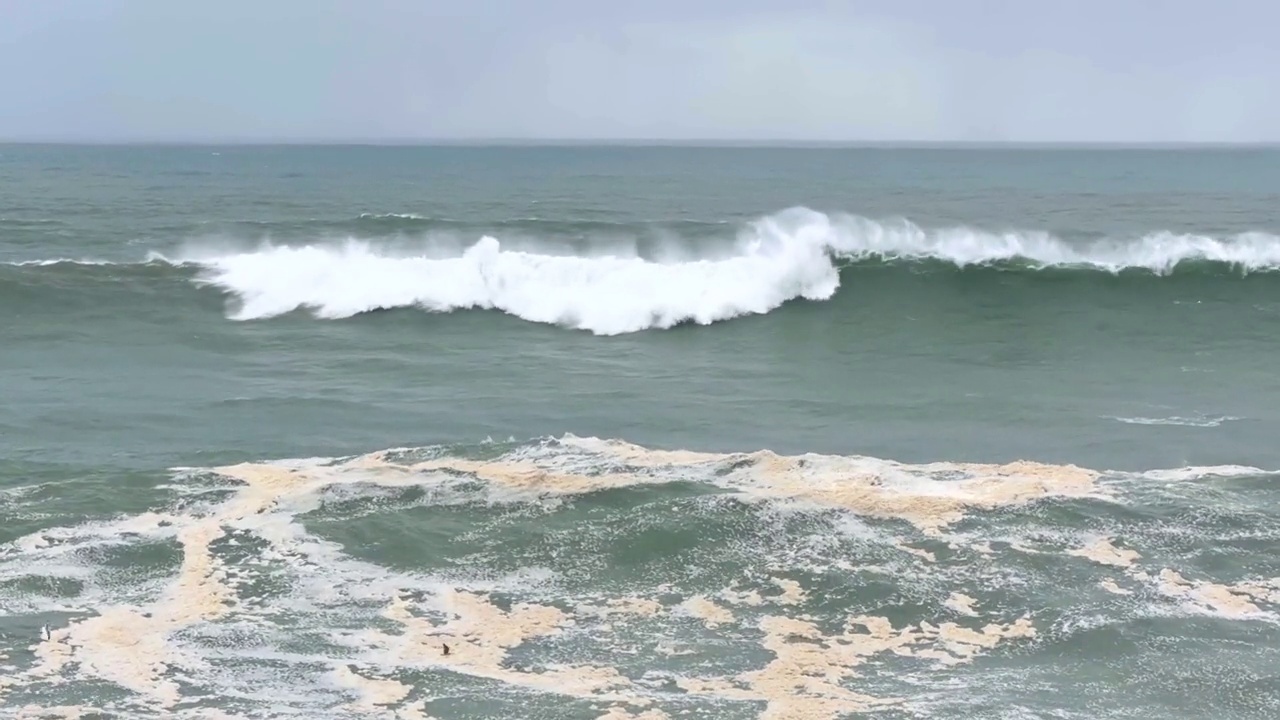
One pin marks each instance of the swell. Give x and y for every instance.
(580, 276)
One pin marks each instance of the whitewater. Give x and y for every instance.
(609, 287)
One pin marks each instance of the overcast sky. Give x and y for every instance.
(979, 70)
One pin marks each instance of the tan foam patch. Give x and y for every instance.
(865, 486)
(374, 694)
(1111, 587)
(480, 634)
(706, 610)
(1223, 599)
(918, 552)
(792, 593)
(961, 604)
(129, 646)
(1261, 591)
(894, 491)
(1102, 551)
(804, 678)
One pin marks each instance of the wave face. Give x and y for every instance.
(585, 282)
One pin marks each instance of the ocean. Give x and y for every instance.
(639, 432)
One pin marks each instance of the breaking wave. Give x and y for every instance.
(795, 254)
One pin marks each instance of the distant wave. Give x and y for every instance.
(392, 216)
(1201, 422)
(60, 261)
(794, 254)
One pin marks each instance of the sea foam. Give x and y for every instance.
(257, 610)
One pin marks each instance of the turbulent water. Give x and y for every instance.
(639, 432)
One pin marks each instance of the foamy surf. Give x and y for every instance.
(792, 255)
(607, 295)
(268, 616)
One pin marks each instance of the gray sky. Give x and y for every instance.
(978, 70)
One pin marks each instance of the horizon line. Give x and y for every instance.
(637, 142)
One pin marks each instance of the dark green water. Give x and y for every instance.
(194, 307)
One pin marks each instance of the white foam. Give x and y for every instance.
(1194, 473)
(1159, 252)
(392, 216)
(1201, 422)
(606, 295)
(786, 256)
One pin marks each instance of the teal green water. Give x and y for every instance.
(170, 310)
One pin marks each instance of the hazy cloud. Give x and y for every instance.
(1180, 70)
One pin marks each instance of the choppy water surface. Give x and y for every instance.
(638, 433)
